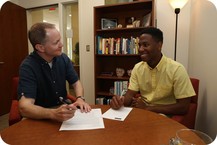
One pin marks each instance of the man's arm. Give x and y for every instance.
(78, 88)
(126, 100)
(180, 107)
(28, 109)
(79, 91)
(128, 97)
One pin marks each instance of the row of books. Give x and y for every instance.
(117, 45)
(120, 87)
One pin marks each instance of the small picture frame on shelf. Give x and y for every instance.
(108, 74)
(108, 23)
(146, 20)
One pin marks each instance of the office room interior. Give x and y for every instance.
(196, 47)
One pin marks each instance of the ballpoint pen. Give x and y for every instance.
(67, 102)
(123, 92)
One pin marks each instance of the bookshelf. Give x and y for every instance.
(116, 42)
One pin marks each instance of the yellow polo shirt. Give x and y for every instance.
(163, 84)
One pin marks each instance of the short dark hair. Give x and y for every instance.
(156, 33)
(37, 33)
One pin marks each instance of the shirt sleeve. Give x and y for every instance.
(27, 82)
(133, 85)
(182, 84)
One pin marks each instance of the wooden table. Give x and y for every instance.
(141, 127)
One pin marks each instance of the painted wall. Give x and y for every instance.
(202, 62)
(86, 39)
(196, 51)
(166, 22)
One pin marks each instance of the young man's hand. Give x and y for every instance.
(117, 102)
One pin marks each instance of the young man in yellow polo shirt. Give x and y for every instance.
(163, 83)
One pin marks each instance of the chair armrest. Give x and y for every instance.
(14, 115)
(72, 98)
(178, 118)
(189, 118)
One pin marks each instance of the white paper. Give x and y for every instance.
(84, 121)
(119, 114)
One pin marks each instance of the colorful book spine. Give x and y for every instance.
(117, 45)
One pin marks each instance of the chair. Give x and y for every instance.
(14, 114)
(189, 118)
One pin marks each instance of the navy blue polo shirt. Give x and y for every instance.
(45, 84)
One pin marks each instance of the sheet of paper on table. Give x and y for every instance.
(84, 121)
(119, 114)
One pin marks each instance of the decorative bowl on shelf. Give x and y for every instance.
(120, 72)
(129, 72)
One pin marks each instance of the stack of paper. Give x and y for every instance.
(94, 119)
(119, 114)
(84, 121)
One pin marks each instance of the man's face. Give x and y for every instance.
(53, 45)
(149, 48)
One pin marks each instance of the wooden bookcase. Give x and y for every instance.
(105, 62)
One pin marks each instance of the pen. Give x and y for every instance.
(118, 118)
(123, 92)
(64, 101)
(67, 102)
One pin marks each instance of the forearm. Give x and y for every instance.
(180, 107)
(78, 88)
(169, 109)
(28, 109)
(127, 100)
(35, 112)
(128, 97)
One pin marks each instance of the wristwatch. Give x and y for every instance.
(80, 97)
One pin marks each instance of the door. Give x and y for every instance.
(13, 49)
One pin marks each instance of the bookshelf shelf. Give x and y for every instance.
(122, 50)
(117, 55)
(120, 29)
(104, 94)
(113, 77)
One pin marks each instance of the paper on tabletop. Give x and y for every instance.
(119, 114)
(84, 121)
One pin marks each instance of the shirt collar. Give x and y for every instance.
(159, 65)
(35, 55)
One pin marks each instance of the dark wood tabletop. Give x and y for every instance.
(141, 127)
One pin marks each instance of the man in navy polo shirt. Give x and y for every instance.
(43, 75)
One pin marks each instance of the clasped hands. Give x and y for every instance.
(118, 101)
(138, 103)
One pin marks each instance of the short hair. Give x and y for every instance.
(156, 33)
(37, 33)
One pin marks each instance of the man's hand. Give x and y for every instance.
(63, 113)
(85, 107)
(117, 102)
(138, 103)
